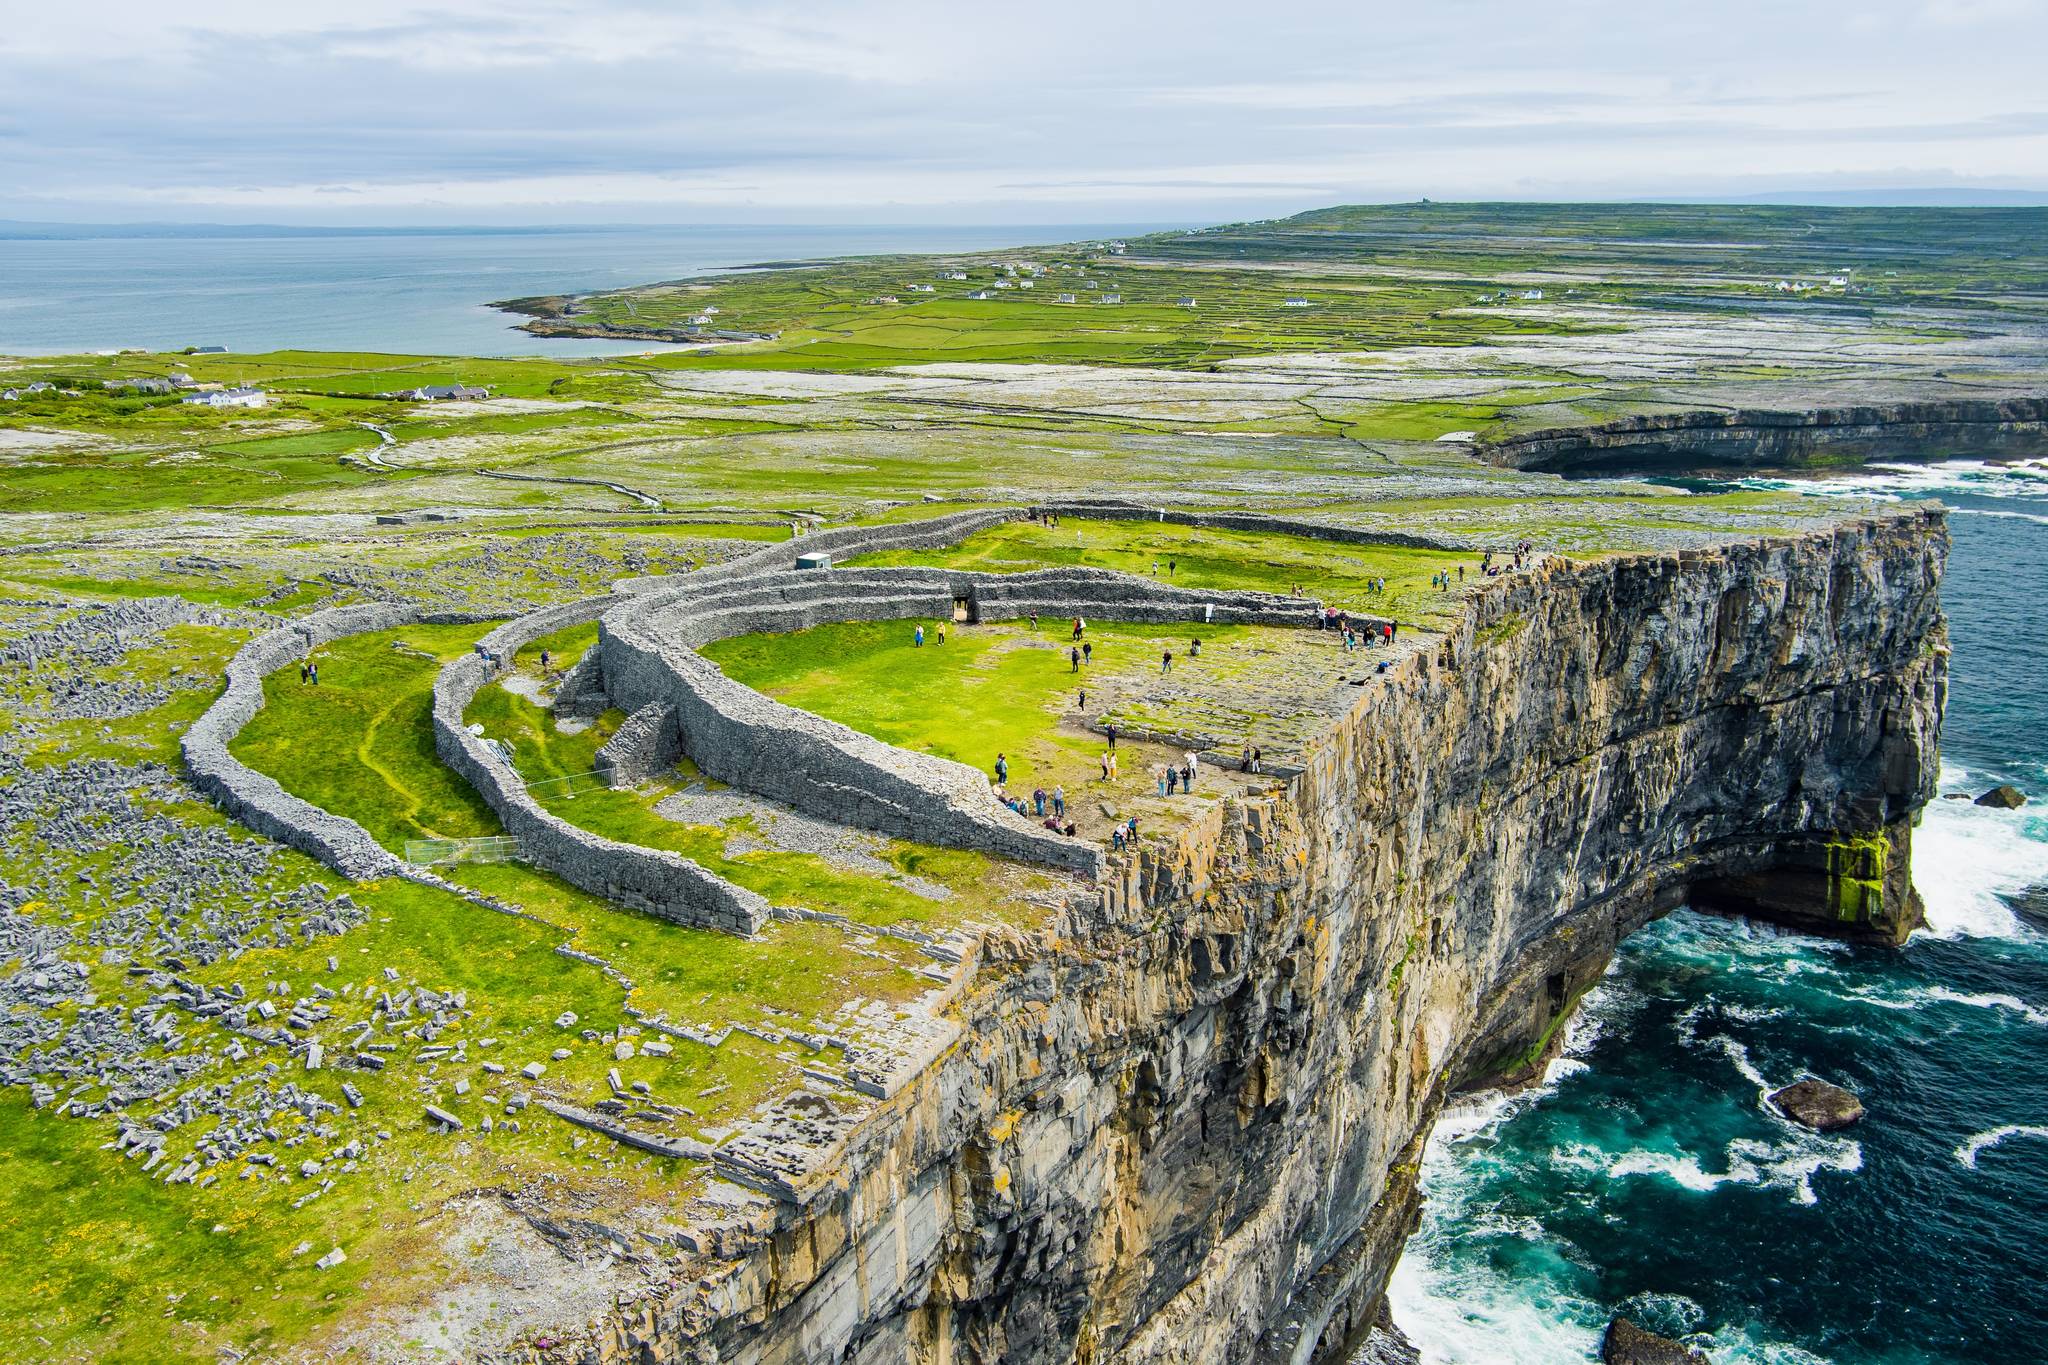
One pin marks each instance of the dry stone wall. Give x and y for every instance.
(658, 882)
(256, 799)
(648, 656)
(1248, 521)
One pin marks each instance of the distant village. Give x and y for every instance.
(205, 393)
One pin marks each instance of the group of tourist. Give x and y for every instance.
(917, 636)
(1516, 558)
(309, 670)
(1441, 579)
(1180, 778)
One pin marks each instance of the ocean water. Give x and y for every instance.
(413, 292)
(1647, 1176)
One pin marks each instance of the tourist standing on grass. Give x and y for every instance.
(942, 634)
(1002, 770)
(1105, 765)
(305, 670)
(1038, 801)
(1195, 648)
(1166, 661)
(1087, 651)
(546, 661)
(1194, 761)
(1082, 704)
(1075, 656)
(1034, 620)
(917, 637)
(1059, 801)
(1257, 759)
(1164, 773)
(1110, 730)
(1077, 627)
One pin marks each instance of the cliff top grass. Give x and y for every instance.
(1011, 689)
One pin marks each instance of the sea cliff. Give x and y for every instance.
(1184, 1126)
(2012, 426)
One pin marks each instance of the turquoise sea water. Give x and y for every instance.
(414, 292)
(1647, 1176)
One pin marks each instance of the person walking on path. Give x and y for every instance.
(1034, 620)
(1077, 627)
(1082, 704)
(546, 661)
(1074, 656)
(1087, 651)
(1002, 770)
(1166, 661)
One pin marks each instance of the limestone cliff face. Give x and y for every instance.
(1185, 1128)
(1745, 438)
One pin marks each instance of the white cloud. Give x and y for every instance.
(561, 108)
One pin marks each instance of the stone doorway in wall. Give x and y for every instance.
(963, 609)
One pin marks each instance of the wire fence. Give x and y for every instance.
(488, 848)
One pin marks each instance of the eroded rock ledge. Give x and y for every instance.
(1183, 1125)
(2009, 427)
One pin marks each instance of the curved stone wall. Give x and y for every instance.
(256, 799)
(648, 656)
(661, 883)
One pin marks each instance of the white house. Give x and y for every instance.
(924, 289)
(1066, 298)
(435, 393)
(229, 398)
(1533, 295)
(1112, 298)
(1295, 303)
(1187, 301)
(1116, 248)
(981, 294)
(956, 274)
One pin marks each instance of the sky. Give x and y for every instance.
(614, 111)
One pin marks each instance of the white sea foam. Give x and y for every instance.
(1479, 1317)
(1986, 1000)
(1967, 858)
(1979, 1143)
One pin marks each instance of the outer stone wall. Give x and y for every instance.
(256, 799)
(1250, 521)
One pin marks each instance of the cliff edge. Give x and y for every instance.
(1184, 1126)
